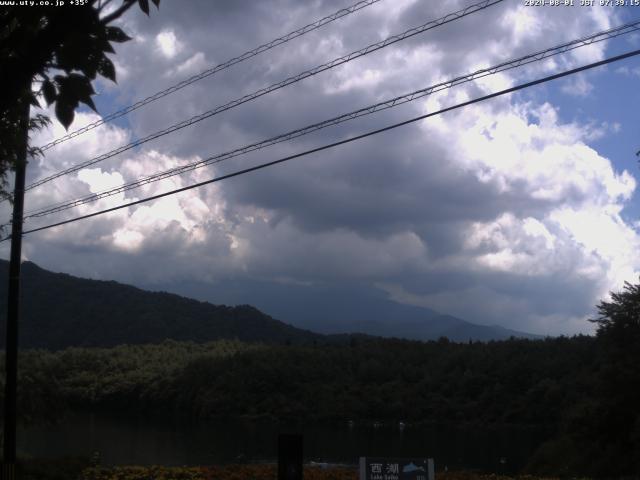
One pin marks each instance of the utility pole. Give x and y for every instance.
(13, 301)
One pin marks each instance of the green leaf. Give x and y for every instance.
(106, 69)
(73, 88)
(49, 92)
(73, 53)
(34, 101)
(64, 112)
(90, 69)
(39, 122)
(89, 102)
(144, 6)
(106, 46)
(115, 34)
(77, 85)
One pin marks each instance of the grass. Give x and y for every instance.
(81, 469)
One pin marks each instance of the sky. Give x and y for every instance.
(521, 211)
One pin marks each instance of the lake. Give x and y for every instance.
(127, 441)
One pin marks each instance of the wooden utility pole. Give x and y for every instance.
(13, 302)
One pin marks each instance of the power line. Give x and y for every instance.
(211, 71)
(504, 66)
(276, 86)
(342, 142)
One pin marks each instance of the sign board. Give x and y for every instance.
(381, 468)
(289, 456)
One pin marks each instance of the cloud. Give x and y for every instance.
(626, 71)
(578, 86)
(194, 64)
(168, 44)
(501, 213)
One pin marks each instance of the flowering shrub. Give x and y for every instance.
(255, 472)
(226, 472)
(143, 473)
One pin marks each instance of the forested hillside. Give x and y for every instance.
(515, 382)
(60, 310)
(569, 386)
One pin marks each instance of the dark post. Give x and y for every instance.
(289, 456)
(13, 304)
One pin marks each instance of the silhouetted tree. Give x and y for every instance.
(619, 319)
(615, 423)
(71, 41)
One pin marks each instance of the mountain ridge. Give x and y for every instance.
(60, 310)
(341, 309)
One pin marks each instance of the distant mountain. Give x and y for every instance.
(427, 328)
(340, 309)
(59, 310)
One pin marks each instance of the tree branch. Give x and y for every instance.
(104, 4)
(126, 5)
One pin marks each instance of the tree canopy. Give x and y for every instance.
(602, 433)
(53, 53)
(620, 318)
(615, 427)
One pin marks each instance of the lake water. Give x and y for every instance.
(123, 441)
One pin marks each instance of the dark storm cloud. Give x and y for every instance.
(396, 210)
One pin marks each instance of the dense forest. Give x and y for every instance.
(584, 389)
(550, 383)
(520, 382)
